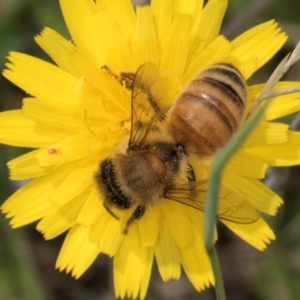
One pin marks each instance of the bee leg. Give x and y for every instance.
(126, 78)
(137, 214)
(110, 72)
(191, 177)
(110, 212)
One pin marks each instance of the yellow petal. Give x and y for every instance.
(176, 49)
(259, 43)
(151, 219)
(79, 18)
(191, 7)
(17, 130)
(40, 78)
(123, 13)
(197, 219)
(181, 234)
(39, 191)
(257, 234)
(91, 210)
(106, 233)
(77, 252)
(61, 219)
(26, 166)
(62, 117)
(115, 50)
(59, 49)
(23, 211)
(266, 133)
(167, 255)
(90, 99)
(31, 213)
(131, 256)
(207, 27)
(247, 165)
(217, 51)
(162, 18)
(282, 106)
(254, 90)
(258, 30)
(258, 194)
(83, 174)
(144, 40)
(285, 154)
(196, 264)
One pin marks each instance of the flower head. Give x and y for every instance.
(78, 114)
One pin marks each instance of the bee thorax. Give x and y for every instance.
(157, 165)
(140, 177)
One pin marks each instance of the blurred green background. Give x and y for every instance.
(27, 261)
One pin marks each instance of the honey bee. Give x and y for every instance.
(154, 167)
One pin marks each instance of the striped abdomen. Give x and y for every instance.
(210, 110)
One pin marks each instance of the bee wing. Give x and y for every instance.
(193, 195)
(237, 212)
(188, 194)
(149, 96)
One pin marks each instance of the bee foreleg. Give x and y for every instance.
(137, 214)
(110, 212)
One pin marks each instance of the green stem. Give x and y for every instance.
(220, 291)
(211, 202)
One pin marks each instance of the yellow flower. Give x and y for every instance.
(78, 113)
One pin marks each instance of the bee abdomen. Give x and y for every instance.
(107, 183)
(210, 110)
(227, 79)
